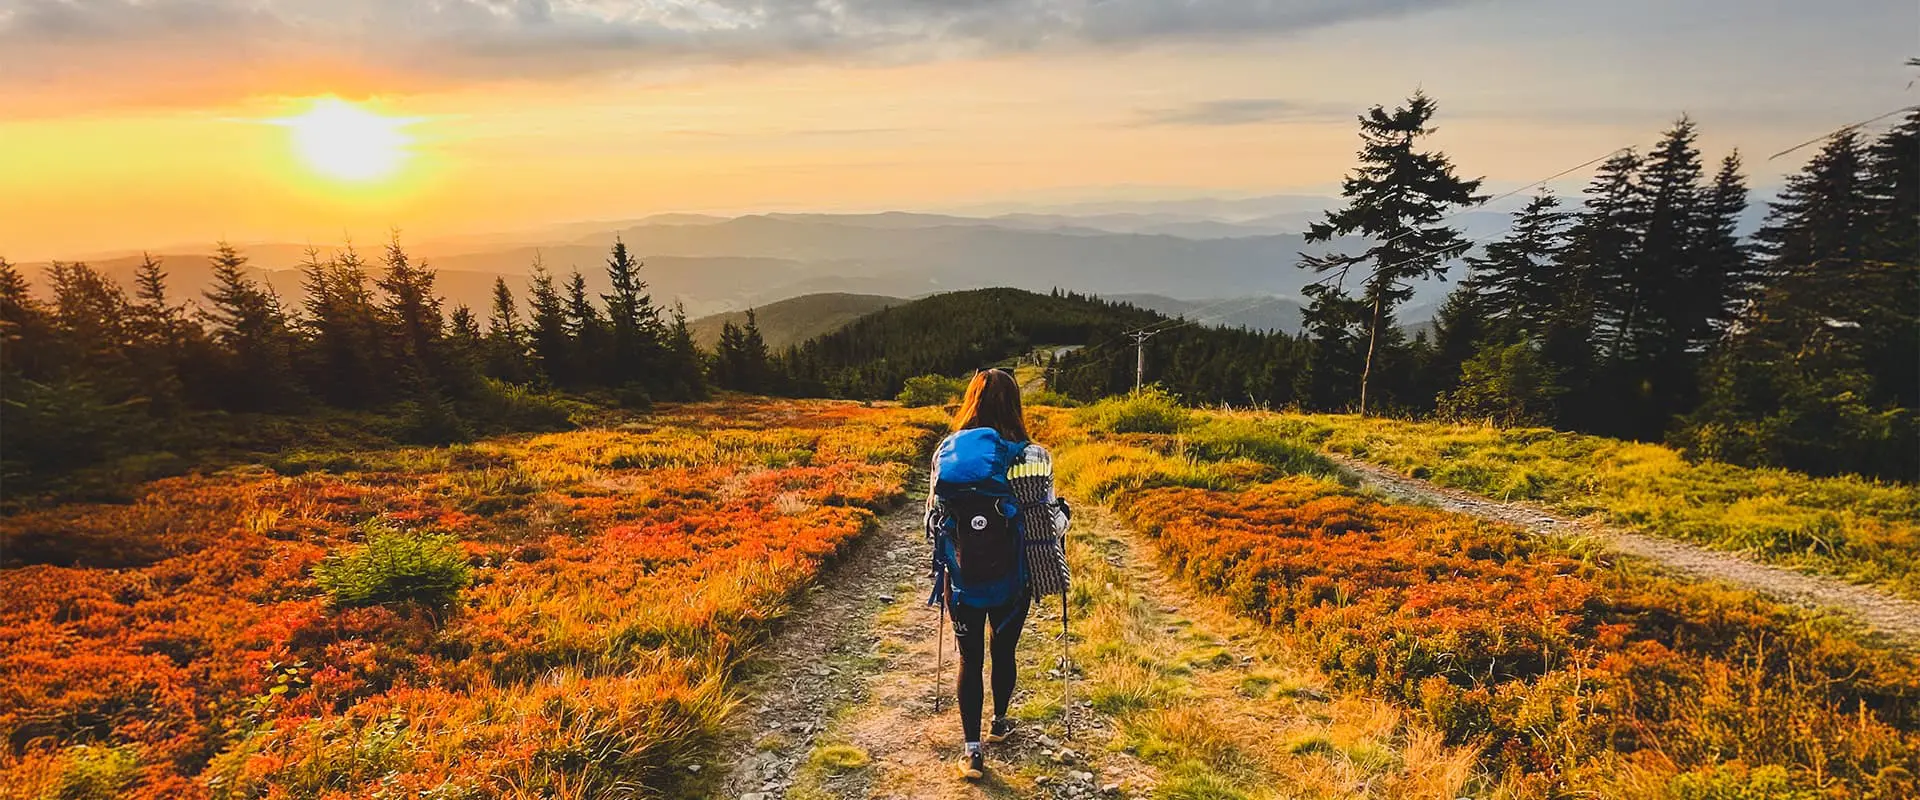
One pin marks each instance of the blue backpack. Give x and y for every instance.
(978, 550)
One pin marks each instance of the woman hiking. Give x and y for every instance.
(997, 531)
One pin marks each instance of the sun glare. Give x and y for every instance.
(345, 142)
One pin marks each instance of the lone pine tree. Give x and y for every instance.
(1397, 197)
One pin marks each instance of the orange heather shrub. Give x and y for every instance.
(1576, 676)
(178, 647)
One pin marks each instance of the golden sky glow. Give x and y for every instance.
(312, 147)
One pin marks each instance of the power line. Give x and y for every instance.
(1497, 198)
(1842, 129)
(1198, 313)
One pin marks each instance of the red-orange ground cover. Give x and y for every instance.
(178, 646)
(1576, 675)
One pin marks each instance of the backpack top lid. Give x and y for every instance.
(975, 460)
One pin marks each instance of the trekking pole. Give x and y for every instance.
(1066, 672)
(940, 651)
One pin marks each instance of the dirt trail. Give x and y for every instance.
(847, 711)
(1892, 616)
(822, 658)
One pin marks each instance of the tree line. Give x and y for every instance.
(93, 372)
(1638, 312)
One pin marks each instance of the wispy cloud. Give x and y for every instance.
(156, 47)
(1246, 111)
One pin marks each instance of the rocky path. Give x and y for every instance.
(823, 658)
(1172, 696)
(1893, 617)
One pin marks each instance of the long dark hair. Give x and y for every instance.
(992, 401)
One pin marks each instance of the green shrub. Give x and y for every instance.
(394, 567)
(97, 773)
(1150, 410)
(1225, 439)
(63, 424)
(633, 397)
(930, 390)
(511, 406)
(431, 420)
(1049, 397)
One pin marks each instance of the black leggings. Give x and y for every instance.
(969, 628)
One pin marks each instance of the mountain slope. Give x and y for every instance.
(953, 334)
(796, 319)
(1255, 313)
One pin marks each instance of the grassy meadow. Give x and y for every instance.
(552, 616)
(1863, 530)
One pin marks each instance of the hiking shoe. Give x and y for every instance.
(973, 766)
(1002, 728)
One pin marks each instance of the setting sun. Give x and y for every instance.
(346, 142)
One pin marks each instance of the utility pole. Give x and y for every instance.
(1140, 357)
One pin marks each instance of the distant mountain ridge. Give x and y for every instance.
(1263, 313)
(714, 264)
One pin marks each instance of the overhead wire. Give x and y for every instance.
(1195, 315)
(1842, 129)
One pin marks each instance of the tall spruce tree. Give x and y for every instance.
(688, 380)
(1659, 318)
(1726, 276)
(1517, 281)
(249, 324)
(506, 340)
(547, 328)
(1893, 193)
(465, 345)
(1602, 247)
(413, 317)
(161, 339)
(633, 323)
(95, 319)
(26, 330)
(588, 333)
(344, 330)
(1396, 197)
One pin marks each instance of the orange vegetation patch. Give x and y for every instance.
(1577, 675)
(178, 646)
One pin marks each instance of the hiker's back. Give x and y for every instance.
(976, 520)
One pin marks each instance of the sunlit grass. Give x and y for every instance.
(1861, 529)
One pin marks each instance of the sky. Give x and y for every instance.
(153, 123)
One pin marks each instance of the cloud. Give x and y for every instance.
(155, 48)
(1246, 111)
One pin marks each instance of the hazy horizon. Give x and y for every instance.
(154, 124)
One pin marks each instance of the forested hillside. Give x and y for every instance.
(794, 320)
(950, 334)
